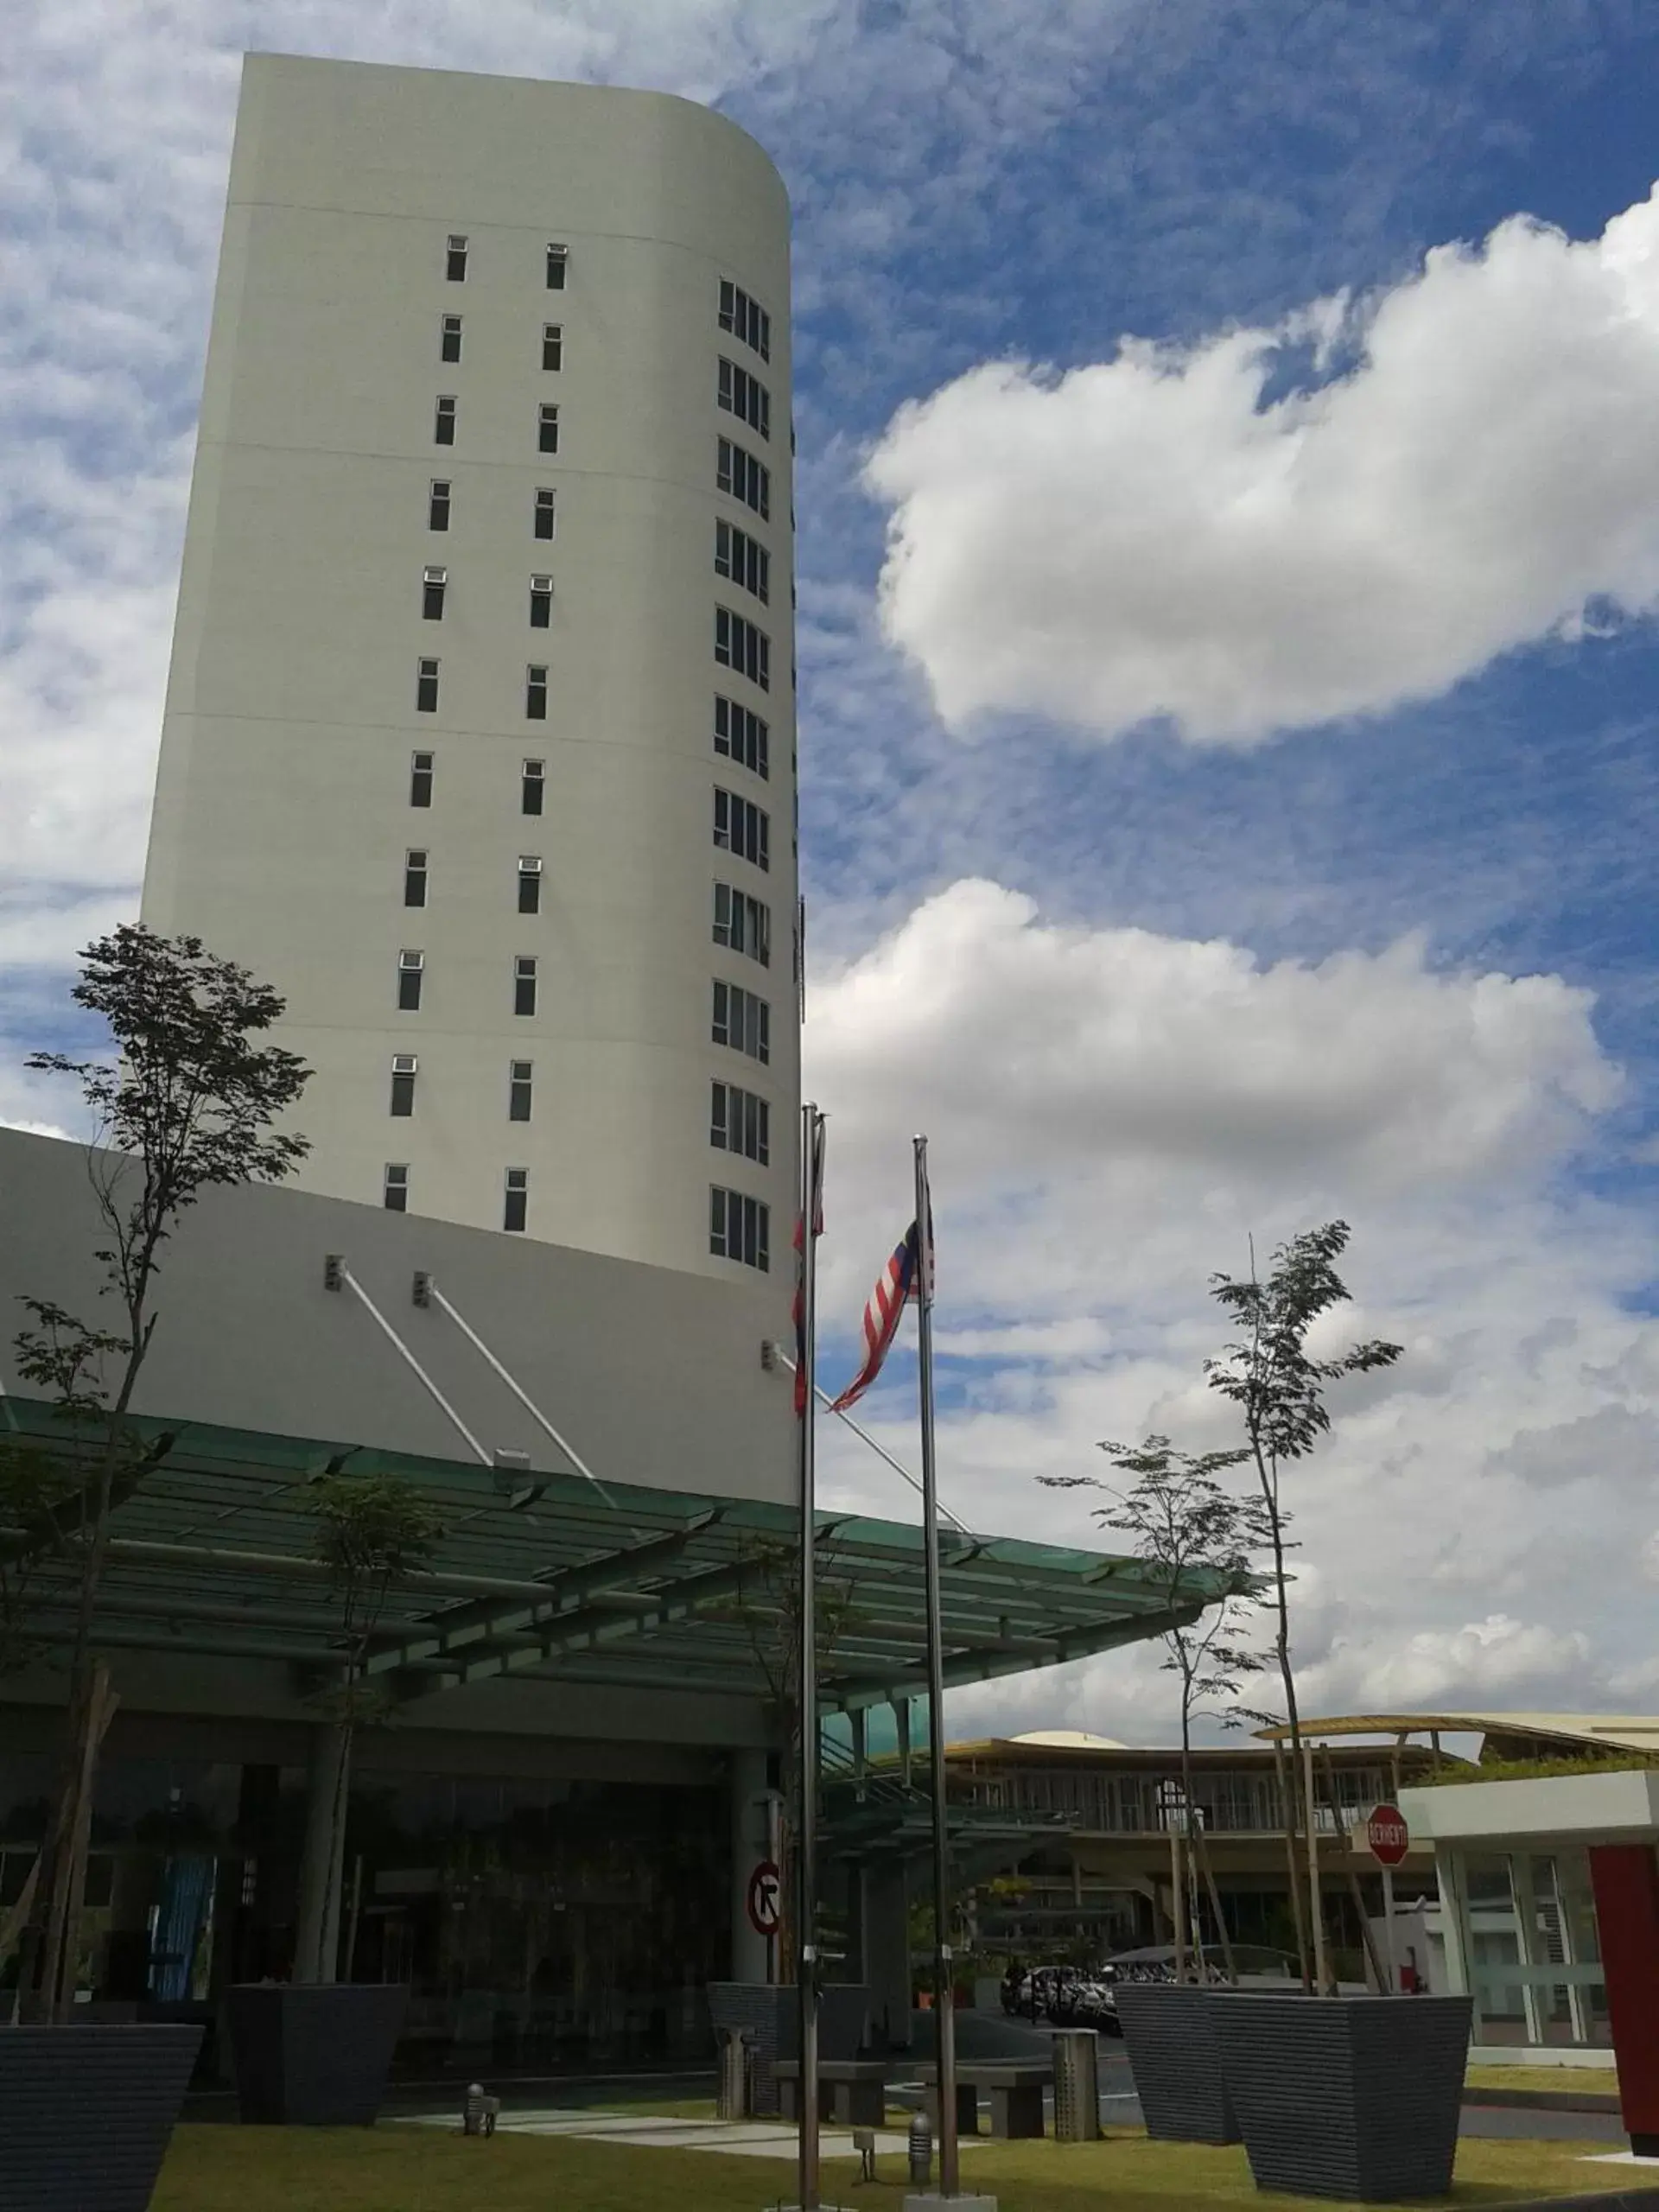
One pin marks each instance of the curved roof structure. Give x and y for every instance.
(1514, 1735)
(1069, 1739)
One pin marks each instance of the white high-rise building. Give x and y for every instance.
(480, 734)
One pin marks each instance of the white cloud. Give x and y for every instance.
(1153, 537)
(1467, 1665)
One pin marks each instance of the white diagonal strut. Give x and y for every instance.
(409, 1360)
(523, 1395)
(880, 1450)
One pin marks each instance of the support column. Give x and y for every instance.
(750, 1837)
(316, 1948)
(884, 1947)
(1625, 1880)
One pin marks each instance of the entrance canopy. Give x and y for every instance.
(547, 1577)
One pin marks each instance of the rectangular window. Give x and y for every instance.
(454, 266)
(547, 430)
(449, 339)
(744, 396)
(523, 986)
(742, 736)
(443, 421)
(747, 479)
(535, 693)
(411, 970)
(404, 1065)
(558, 257)
(552, 344)
(437, 505)
(420, 779)
(742, 1021)
(530, 884)
(518, 1089)
(415, 878)
(743, 827)
(541, 602)
(516, 1207)
(743, 558)
(433, 584)
(745, 318)
(532, 782)
(426, 687)
(743, 923)
(739, 645)
(394, 1190)
(544, 511)
(740, 1228)
(739, 1121)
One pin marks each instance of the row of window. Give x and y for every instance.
(426, 688)
(740, 735)
(740, 645)
(533, 785)
(450, 334)
(515, 1208)
(743, 558)
(739, 474)
(417, 877)
(741, 1020)
(745, 318)
(459, 252)
(434, 594)
(447, 413)
(440, 500)
(744, 396)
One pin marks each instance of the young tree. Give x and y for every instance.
(373, 1532)
(1279, 1387)
(188, 1101)
(1184, 1521)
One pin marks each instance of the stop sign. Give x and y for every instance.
(1388, 1835)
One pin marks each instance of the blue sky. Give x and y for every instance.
(1162, 946)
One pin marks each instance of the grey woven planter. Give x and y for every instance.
(85, 2114)
(1170, 2038)
(313, 2055)
(1354, 2097)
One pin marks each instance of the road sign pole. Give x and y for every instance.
(806, 1845)
(1387, 1930)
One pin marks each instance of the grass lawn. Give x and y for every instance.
(1599, 2080)
(391, 2169)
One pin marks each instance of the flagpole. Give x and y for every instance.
(806, 1849)
(945, 2013)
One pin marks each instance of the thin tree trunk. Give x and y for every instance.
(1208, 1871)
(1287, 1814)
(100, 1712)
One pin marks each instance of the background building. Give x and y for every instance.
(480, 735)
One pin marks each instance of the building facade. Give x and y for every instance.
(479, 734)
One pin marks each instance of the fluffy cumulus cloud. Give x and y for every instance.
(1470, 464)
(1112, 1114)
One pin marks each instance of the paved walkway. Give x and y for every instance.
(749, 2138)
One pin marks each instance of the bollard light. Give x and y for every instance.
(478, 2115)
(864, 2144)
(921, 2150)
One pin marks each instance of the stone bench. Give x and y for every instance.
(852, 2092)
(1016, 2088)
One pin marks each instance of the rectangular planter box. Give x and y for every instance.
(1353, 2097)
(1169, 2034)
(86, 2112)
(313, 2057)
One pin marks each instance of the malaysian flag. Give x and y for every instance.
(895, 1287)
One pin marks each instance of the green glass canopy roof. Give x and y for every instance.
(549, 1577)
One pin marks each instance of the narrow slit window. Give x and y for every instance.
(449, 339)
(547, 433)
(519, 1088)
(394, 1188)
(426, 687)
(411, 973)
(530, 884)
(541, 602)
(544, 511)
(552, 344)
(536, 693)
(433, 583)
(420, 779)
(515, 1210)
(531, 784)
(404, 1066)
(415, 878)
(438, 504)
(523, 986)
(443, 421)
(558, 260)
(455, 267)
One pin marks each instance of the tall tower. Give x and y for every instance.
(480, 733)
